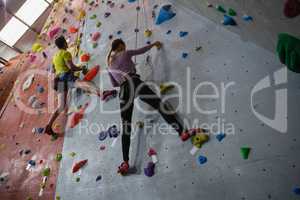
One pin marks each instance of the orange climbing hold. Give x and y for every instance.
(92, 73)
(79, 165)
(85, 57)
(73, 29)
(76, 117)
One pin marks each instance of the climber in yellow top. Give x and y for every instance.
(64, 70)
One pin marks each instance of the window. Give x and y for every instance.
(31, 10)
(12, 31)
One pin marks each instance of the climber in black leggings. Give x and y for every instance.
(122, 73)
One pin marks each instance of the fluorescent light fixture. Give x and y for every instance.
(31, 10)
(12, 31)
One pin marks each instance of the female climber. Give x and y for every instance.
(122, 72)
(64, 70)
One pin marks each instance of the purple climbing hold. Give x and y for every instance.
(113, 131)
(107, 14)
(183, 33)
(168, 32)
(202, 160)
(148, 42)
(102, 135)
(229, 21)
(185, 55)
(149, 170)
(165, 14)
(220, 136)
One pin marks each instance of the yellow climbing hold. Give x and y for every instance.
(81, 14)
(37, 47)
(147, 33)
(199, 139)
(164, 88)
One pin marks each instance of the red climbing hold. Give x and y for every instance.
(53, 32)
(96, 36)
(85, 57)
(73, 29)
(92, 73)
(151, 152)
(291, 8)
(79, 165)
(76, 117)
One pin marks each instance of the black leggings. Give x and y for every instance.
(128, 91)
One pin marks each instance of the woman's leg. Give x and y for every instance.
(156, 103)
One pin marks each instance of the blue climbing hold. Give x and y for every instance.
(165, 14)
(185, 55)
(220, 136)
(102, 135)
(202, 160)
(98, 178)
(131, 1)
(31, 162)
(39, 130)
(113, 131)
(119, 32)
(296, 190)
(168, 32)
(247, 18)
(40, 89)
(228, 21)
(183, 33)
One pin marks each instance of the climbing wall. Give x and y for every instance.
(208, 53)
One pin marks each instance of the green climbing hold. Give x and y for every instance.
(46, 171)
(29, 198)
(95, 45)
(57, 198)
(72, 154)
(288, 51)
(231, 12)
(221, 9)
(54, 137)
(94, 16)
(77, 179)
(98, 24)
(58, 157)
(245, 152)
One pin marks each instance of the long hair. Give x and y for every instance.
(114, 46)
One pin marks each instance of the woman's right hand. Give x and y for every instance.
(157, 44)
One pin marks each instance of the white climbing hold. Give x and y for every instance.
(28, 82)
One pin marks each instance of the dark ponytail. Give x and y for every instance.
(114, 46)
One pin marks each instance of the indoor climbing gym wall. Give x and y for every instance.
(244, 94)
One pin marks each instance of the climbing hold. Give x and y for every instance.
(245, 152)
(155, 6)
(138, 8)
(147, 33)
(53, 32)
(122, 6)
(119, 32)
(198, 48)
(149, 170)
(37, 47)
(96, 36)
(291, 8)
(102, 135)
(288, 51)
(168, 32)
(72, 154)
(221, 8)
(231, 12)
(108, 95)
(152, 153)
(28, 151)
(183, 33)
(184, 55)
(98, 178)
(95, 45)
(131, 1)
(77, 166)
(220, 136)
(199, 139)
(38, 130)
(81, 14)
(296, 190)
(32, 163)
(58, 157)
(202, 160)
(209, 5)
(32, 58)
(140, 124)
(113, 131)
(73, 29)
(76, 117)
(247, 18)
(136, 30)
(44, 55)
(110, 37)
(77, 179)
(31, 99)
(40, 89)
(94, 16)
(164, 88)
(165, 14)
(102, 147)
(229, 21)
(85, 57)
(46, 172)
(28, 82)
(107, 14)
(98, 24)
